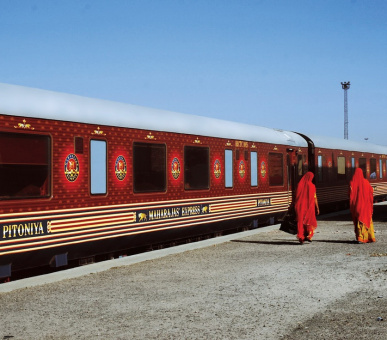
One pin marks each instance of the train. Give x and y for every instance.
(85, 178)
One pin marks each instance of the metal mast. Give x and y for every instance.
(345, 87)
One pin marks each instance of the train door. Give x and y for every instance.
(291, 174)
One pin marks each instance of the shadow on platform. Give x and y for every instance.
(295, 242)
(278, 243)
(335, 241)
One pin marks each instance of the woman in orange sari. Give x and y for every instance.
(361, 200)
(305, 205)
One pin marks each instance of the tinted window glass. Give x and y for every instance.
(24, 166)
(372, 168)
(299, 165)
(276, 172)
(363, 166)
(149, 167)
(196, 168)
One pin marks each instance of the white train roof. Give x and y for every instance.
(36, 103)
(348, 145)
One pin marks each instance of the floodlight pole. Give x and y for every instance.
(345, 86)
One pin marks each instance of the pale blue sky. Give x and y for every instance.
(272, 63)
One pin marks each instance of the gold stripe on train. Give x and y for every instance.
(97, 237)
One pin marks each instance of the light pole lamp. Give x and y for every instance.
(345, 86)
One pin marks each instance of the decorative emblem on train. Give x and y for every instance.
(150, 136)
(217, 169)
(24, 125)
(98, 132)
(263, 169)
(242, 169)
(71, 167)
(120, 168)
(175, 168)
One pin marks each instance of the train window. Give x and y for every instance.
(302, 167)
(149, 167)
(341, 168)
(196, 168)
(228, 168)
(24, 165)
(319, 168)
(363, 166)
(98, 173)
(276, 169)
(254, 168)
(341, 165)
(380, 168)
(353, 166)
(372, 168)
(299, 165)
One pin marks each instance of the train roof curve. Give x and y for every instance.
(36, 103)
(348, 145)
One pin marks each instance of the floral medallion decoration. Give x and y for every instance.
(242, 169)
(217, 169)
(263, 169)
(175, 168)
(71, 167)
(120, 168)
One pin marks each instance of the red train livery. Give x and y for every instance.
(83, 177)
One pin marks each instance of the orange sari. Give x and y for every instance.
(361, 200)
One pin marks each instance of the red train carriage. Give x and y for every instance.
(334, 162)
(82, 177)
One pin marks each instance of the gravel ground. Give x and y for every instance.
(264, 286)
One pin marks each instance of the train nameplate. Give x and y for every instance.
(24, 229)
(171, 212)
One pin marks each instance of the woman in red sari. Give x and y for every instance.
(305, 204)
(361, 200)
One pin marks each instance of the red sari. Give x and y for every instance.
(305, 207)
(361, 200)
